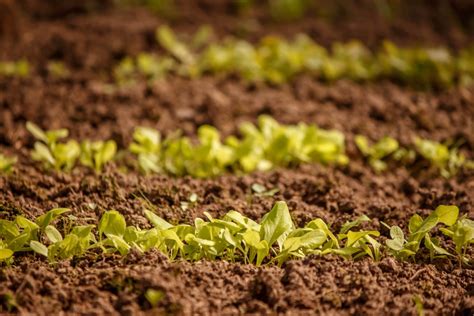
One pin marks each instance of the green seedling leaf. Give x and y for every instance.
(119, 243)
(112, 223)
(353, 237)
(447, 214)
(7, 163)
(414, 223)
(37, 132)
(45, 219)
(53, 234)
(39, 248)
(157, 221)
(277, 224)
(349, 225)
(97, 154)
(5, 254)
(8, 230)
(398, 239)
(154, 296)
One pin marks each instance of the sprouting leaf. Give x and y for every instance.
(39, 248)
(37, 132)
(97, 154)
(276, 224)
(154, 296)
(5, 254)
(45, 219)
(119, 243)
(398, 239)
(353, 237)
(53, 234)
(447, 214)
(157, 221)
(113, 223)
(414, 223)
(349, 225)
(6, 163)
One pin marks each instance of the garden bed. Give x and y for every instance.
(90, 42)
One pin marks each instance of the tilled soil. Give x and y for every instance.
(112, 285)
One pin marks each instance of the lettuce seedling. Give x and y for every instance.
(419, 230)
(112, 225)
(58, 69)
(147, 146)
(276, 225)
(154, 296)
(358, 243)
(19, 68)
(168, 40)
(60, 156)
(377, 152)
(462, 234)
(448, 161)
(97, 154)
(6, 163)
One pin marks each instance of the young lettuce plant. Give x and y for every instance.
(96, 154)
(19, 68)
(448, 161)
(462, 234)
(233, 238)
(47, 149)
(147, 146)
(6, 163)
(419, 231)
(377, 152)
(358, 243)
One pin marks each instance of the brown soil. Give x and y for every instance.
(82, 103)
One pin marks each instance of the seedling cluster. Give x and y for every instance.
(448, 161)
(63, 155)
(234, 237)
(276, 60)
(19, 68)
(261, 147)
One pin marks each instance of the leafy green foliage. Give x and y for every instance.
(147, 66)
(19, 68)
(262, 147)
(448, 161)
(419, 231)
(97, 154)
(462, 233)
(154, 296)
(52, 153)
(57, 69)
(6, 163)
(377, 152)
(234, 237)
(276, 60)
(64, 155)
